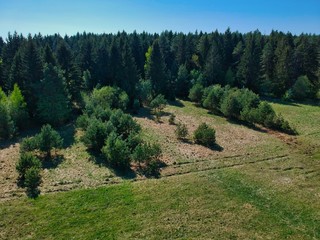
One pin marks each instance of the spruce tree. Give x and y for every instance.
(53, 105)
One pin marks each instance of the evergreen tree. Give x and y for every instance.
(213, 66)
(53, 105)
(182, 82)
(16, 72)
(156, 70)
(32, 74)
(48, 56)
(18, 108)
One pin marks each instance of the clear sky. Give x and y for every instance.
(98, 16)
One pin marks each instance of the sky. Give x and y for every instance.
(110, 16)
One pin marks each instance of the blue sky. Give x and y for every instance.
(98, 16)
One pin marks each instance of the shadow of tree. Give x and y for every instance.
(98, 159)
(52, 162)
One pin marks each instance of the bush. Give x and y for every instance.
(48, 139)
(196, 93)
(181, 131)
(116, 152)
(205, 135)
(96, 134)
(28, 145)
(302, 89)
(231, 106)
(148, 155)
(265, 114)
(32, 181)
(172, 119)
(109, 97)
(26, 161)
(124, 124)
(158, 104)
(213, 98)
(83, 121)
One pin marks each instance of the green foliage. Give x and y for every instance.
(230, 105)
(196, 92)
(302, 89)
(144, 91)
(13, 113)
(181, 131)
(109, 97)
(48, 139)
(158, 104)
(205, 135)
(96, 133)
(18, 108)
(213, 98)
(53, 106)
(32, 181)
(124, 124)
(147, 156)
(116, 152)
(182, 82)
(83, 121)
(26, 161)
(28, 144)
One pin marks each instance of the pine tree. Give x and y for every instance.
(48, 56)
(18, 108)
(53, 106)
(182, 82)
(213, 66)
(32, 74)
(16, 72)
(156, 70)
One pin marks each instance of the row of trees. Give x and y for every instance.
(172, 62)
(239, 104)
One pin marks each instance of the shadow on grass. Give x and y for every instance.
(98, 159)
(246, 124)
(309, 102)
(52, 162)
(176, 103)
(152, 170)
(67, 132)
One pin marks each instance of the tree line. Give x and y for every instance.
(51, 72)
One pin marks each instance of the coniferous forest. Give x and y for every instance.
(278, 65)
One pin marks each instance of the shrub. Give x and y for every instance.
(148, 155)
(109, 97)
(83, 121)
(265, 114)
(26, 161)
(231, 106)
(172, 119)
(48, 139)
(116, 152)
(181, 131)
(196, 93)
(32, 181)
(96, 134)
(28, 144)
(302, 89)
(124, 124)
(213, 98)
(205, 135)
(158, 104)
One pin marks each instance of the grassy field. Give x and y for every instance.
(257, 185)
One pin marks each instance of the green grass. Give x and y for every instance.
(219, 204)
(241, 197)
